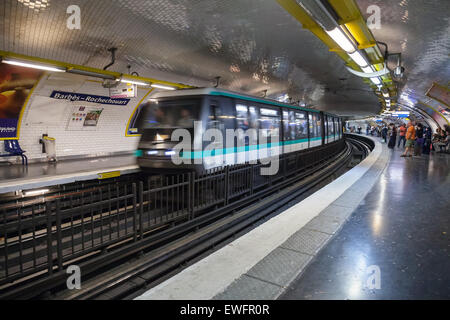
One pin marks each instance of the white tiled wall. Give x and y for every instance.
(107, 137)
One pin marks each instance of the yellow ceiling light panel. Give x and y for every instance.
(350, 16)
(69, 67)
(292, 7)
(374, 54)
(346, 9)
(298, 13)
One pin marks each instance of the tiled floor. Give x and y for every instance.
(401, 229)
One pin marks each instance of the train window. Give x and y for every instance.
(242, 117)
(286, 127)
(330, 126)
(269, 122)
(214, 117)
(311, 125)
(315, 125)
(301, 124)
(253, 119)
(170, 114)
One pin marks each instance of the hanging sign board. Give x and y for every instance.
(123, 90)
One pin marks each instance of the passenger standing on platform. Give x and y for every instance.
(427, 141)
(367, 130)
(392, 136)
(402, 133)
(384, 132)
(419, 140)
(410, 137)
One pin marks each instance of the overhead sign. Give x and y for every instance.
(123, 90)
(439, 93)
(88, 98)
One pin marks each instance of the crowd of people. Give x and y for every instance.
(416, 139)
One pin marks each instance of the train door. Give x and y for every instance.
(310, 129)
(270, 131)
(213, 146)
(317, 130)
(225, 114)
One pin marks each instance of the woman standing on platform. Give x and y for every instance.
(419, 140)
(427, 141)
(392, 136)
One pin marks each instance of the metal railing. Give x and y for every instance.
(41, 238)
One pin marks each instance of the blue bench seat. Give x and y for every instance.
(13, 148)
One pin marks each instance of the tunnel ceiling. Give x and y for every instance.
(254, 45)
(420, 30)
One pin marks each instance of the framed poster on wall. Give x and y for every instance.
(84, 118)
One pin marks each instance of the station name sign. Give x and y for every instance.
(88, 98)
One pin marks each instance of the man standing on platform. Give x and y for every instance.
(410, 139)
(401, 133)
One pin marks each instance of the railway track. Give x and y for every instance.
(121, 270)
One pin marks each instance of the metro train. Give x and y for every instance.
(292, 128)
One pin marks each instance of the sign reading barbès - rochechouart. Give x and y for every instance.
(88, 98)
(16, 84)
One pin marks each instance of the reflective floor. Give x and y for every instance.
(396, 245)
(35, 170)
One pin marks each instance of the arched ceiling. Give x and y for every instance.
(254, 45)
(420, 30)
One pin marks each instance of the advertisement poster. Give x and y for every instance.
(92, 118)
(439, 93)
(84, 118)
(16, 84)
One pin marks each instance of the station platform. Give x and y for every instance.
(15, 177)
(388, 212)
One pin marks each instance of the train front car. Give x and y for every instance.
(277, 128)
(159, 119)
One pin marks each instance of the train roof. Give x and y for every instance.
(225, 93)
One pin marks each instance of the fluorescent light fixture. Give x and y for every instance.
(170, 153)
(33, 65)
(367, 69)
(134, 82)
(358, 58)
(152, 152)
(341, 39)
(160, 86)
(35, 192)
(376, 81)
